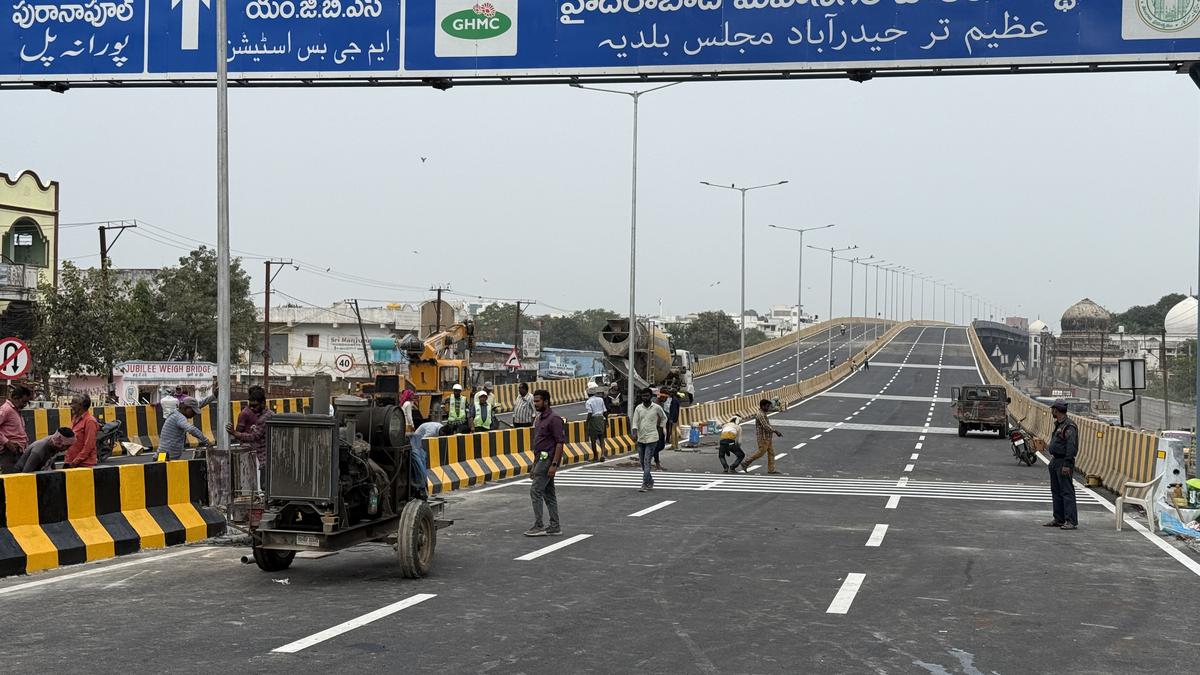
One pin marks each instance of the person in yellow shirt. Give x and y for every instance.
(731, 444)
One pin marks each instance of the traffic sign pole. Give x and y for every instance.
(218, 467)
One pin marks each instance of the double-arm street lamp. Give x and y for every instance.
(800, 283)
(742, 318)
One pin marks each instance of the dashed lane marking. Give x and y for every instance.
(328, 633)
(877, 535)
(926, 429)
(892, 502)
(553, 547)
(652, 509)
(845, 595)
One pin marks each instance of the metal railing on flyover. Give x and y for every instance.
(717, 362)
(1116, 455)
(744, 406)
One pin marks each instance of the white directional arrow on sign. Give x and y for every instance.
(189, 28)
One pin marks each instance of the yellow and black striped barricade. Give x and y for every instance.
(54, 518)
(465, 460)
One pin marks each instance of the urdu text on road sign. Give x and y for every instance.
(174, 40)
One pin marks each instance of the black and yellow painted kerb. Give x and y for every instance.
(56, 518)
(140, 423)
(457, 462)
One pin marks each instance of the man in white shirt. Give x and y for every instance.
(648, 418)
(597, 423)
(731, 444)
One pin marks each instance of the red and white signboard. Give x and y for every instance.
(514, 360)
(344, 363)
(14, 358)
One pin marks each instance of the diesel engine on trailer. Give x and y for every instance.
(338, 480)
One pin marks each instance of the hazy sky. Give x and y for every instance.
(1034, 191)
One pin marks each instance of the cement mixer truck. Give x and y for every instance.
(655, 363)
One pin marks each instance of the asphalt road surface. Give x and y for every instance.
(887, 545)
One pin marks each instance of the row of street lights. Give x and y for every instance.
(896, 273)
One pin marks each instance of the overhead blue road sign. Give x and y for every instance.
(161, 40)
(701, 36)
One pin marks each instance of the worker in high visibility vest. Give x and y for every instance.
(484, 418)
(456, 410)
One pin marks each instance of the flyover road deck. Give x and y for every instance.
(885, 545)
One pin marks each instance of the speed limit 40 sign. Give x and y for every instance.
(344, 363)
(14, 358)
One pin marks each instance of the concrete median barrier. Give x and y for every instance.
(745, 406)
(56, 518)
(571, 390)
(1116, 455)
(457, 462)
(712, 364)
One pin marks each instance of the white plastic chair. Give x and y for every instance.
(1146, 502)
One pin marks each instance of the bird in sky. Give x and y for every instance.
(423, 159)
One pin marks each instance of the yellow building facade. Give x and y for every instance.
(29, 224)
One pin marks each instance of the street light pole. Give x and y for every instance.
(829, 333)
(742, 321)
(631, 401)
(800, 284)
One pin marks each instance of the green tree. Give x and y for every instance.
(496, 323)
(579, 330)
(187, 308)
(1181, 376)
(1147, 319)
(78, 325)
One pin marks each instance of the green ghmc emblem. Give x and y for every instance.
(1169, 15)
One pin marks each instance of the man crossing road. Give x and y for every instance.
(766, 440)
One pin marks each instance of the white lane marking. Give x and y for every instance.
(828, 430)
(797, 447)
(921, 438)
(915, 456)
(877, 535)
(756, 467)
(553, 547)
(101, 570)
(317, 638)
(1170, 550)
(848, 419)
(893, 502)
(841, 423)
(909, 467)
(902, 482)
(815, 437)
(781, 455)
(918, 446)
(845, 595)
(652, 509)
(709, 486)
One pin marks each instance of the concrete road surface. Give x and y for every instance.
(888, 545)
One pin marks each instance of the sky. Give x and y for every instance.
(1033, 191)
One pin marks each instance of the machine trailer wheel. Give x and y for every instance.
(962, 430)
(416, 539)
(273, 561)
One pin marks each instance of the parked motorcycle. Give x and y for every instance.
(1022, 448)
(106, 440)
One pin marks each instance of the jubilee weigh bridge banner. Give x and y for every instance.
(173, 40)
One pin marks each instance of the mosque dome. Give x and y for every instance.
(1086, 316)
(1181, 320)
(1037, 327)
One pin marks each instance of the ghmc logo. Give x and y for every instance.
(475, 30)
(1169, 15)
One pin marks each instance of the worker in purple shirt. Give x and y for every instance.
(549, 435)
(251, 430)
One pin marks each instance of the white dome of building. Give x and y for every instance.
(1037, 327)
(1181, 320)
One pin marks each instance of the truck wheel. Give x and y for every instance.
(1003, 430)
(962, 430)
(416, 539)
(273, 561)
